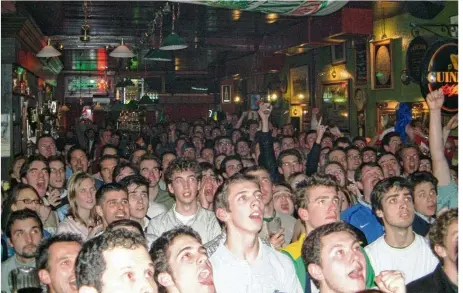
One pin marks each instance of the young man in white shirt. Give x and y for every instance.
(182, 177)
(242, 263)
(399, 248)
(180, 262)
(335, 262)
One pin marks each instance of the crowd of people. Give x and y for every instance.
(238, 205)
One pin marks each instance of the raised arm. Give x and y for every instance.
(451, 125)
(240, 122)
(440, 166)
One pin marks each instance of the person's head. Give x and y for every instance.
(333, 258)
(109, 149)
(409, 156)
(218, 161)
(116, 139)
(46, 146)
(310, 139)
(207, 154)
(295, 179)
(288, 129)
(124, 169)
(22, 196)
(181, 263)
(354, 159)
(127, 224)
(231, 165)
(454, 174)
(368, 154)
(166, 158)
(287, 143)
(24, 230)
(392, 203)
(327, 141)
(150, 168)
(77, 159)
(81, 196)
(265, 181)
(236, 135)
(283, 198)
(366, 177)
(342, 142)
(318, 201)
(105, 136)
(248, 163)
(121, 253)
(443, 237)
(335, 169)
(425, 164)
(36, 173)
(209, 181)
(223, 145)
(15, 169)
(338, 155)
(57, 171)
(182, 179)
(107, 165)
(112, 203)
(136, 155)
(90, 134)
(322, 158)
(389, 164)
(243, 147)
(424, 186)
(391, 142)
(137, 187)
(55, 262)
(289, 162)
(360, 142)
(238, 203)
(189, 151)
(348, 199)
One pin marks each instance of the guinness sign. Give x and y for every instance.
(440, 70)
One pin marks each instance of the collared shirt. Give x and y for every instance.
(271, 272)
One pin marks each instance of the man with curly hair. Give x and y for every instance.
(183, 177)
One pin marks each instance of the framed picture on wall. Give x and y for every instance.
(226, 94)
(382, 72)
(338, 53)
(299, 77)
(361, 63)
(336, 104)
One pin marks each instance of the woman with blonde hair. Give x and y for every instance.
(82, 218)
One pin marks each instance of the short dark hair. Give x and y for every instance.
(420, 177)
(41, 258)
(134, 179)
(108, 146)
(22, 215)
(105, 188)
(208, 166)
(358, 172)
(167, 153)
(75, 148)
(286, 153)
(384, 186)
(159, 251)
(221, 199)
(352, 147)
(316, 180)
(31, 159)
(125, 223)
(150, 157)
(45, 136)
(439, 229)
(323, 169)
(91, 264)
(13, 195)
(180, 165)
(286, 136)
(342, 139)
(387, 138)
(226, 160)
(58, 158)
(312, 246)
(407, 146)
(359, 138)
(121, 166)
(107, 157)
(368, 149)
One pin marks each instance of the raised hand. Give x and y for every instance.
(391, 282)
(265, 109)
(54, 198)
(320, 128)
(435, 99)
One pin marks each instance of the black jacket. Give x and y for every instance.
(267, 155)
(435, 282)
(311, 165)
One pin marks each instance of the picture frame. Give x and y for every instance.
(382, 71)
(336, 104)
(299, 77)
(338, 53)
(226, 94)
(361, 63)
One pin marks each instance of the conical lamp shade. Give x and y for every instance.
(157, 55)
(145, 100)
(173, 42)
(48, 51)
(122, 51)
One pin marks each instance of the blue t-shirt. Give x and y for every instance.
(361, 216)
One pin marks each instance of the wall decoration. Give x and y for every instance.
(382, 73)
(361, 63)
(226, 94)
(336, 104)
(299, 84)
(454, 20)
(338, 53)
(6, 135)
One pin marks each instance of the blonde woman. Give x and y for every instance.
(82, 218)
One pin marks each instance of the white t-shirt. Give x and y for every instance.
(271, 272)
(182, 218)
(415, 261)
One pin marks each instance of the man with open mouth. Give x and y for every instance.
(181, 263)
(112, 203)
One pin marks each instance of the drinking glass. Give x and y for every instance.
(25, 280)
(273, 227)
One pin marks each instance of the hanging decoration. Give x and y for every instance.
(173, 41)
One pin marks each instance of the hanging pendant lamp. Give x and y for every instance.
(48, 51)
(122, 51)
(173, 41)
(145, 100)
(157, 55)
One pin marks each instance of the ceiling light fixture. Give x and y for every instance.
(122, 51)
(173, 41)
(154, 53)
(48, 51)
